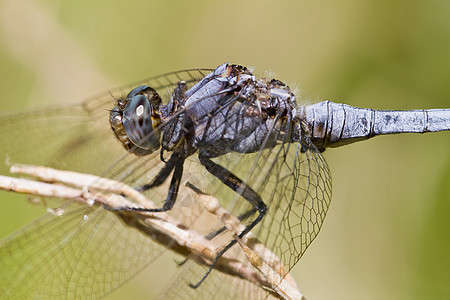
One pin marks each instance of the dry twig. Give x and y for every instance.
(265, 268)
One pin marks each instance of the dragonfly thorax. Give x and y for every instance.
(232, 111)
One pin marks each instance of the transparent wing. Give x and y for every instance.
(217, 286)
(299, 194)
(296, 186)
(87, 252)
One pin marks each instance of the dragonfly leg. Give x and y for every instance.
(173, 188)
(236, 184)
(161, 176)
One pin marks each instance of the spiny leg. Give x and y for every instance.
(236, 184)
(161, 176)
(173, 188)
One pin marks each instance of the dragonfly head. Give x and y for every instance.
(135, 121)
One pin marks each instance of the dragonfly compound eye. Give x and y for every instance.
(135, 120)
(140, 121)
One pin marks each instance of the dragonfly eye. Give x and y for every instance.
(147, 91)
(140, 120)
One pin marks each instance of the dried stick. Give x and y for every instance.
(265, 269)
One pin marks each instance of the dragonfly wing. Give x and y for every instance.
(217, 286)
(60, 256)
(82, 253)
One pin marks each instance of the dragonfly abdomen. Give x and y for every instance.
(330, 124)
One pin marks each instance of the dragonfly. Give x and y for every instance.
(221, 132)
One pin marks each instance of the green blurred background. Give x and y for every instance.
(387, 233)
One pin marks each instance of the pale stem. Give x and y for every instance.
(265, 269)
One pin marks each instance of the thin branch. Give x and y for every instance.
(265, 268)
